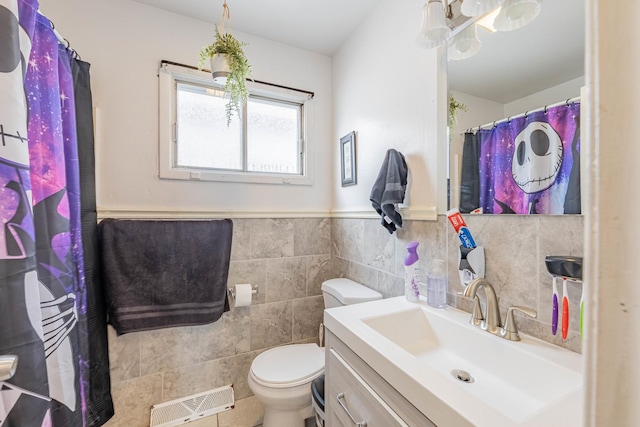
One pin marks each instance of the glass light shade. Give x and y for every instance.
(478, 7)
(516, 14)
(434, 29)
(486, 21)
(465, 44)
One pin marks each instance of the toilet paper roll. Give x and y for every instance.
(243, 295)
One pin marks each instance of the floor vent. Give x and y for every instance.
(192, 408)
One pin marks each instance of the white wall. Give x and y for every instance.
(553, 95)
(385, 88)
(482, 111)
(124, 41)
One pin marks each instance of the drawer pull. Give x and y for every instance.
(342, 403)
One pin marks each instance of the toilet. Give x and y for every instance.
(281, 377)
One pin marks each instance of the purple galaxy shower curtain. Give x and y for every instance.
(531, 164)
(54, 182)
(25, 398)
(43, 302)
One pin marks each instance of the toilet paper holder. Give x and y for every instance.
(232, 291)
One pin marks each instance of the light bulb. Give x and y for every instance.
(434, 29)
(516, 14)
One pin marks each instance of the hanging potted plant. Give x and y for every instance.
(454, 106)
(229, 66)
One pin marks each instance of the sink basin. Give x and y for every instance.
(421, 351)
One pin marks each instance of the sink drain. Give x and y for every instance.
(461, 375)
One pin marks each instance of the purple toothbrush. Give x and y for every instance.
(554, 313)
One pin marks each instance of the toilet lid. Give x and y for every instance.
(289, 365)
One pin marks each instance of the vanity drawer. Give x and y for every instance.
(353, 401)
(344, 368)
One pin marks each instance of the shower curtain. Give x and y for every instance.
(531, 164)
(43, 304)
(470, 179)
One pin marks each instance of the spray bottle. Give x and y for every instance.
(412, 273)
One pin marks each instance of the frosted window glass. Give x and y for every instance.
(273, 137)
(204, 140)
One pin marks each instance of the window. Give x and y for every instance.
(268, 145)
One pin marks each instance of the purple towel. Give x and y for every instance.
(160, 274)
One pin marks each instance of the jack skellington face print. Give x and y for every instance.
(537, 159)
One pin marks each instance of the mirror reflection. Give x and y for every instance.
(519, 116)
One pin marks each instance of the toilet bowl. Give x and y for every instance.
(281, 377)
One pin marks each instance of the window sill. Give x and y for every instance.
(236, 177)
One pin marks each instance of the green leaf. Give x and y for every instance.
(239, 67)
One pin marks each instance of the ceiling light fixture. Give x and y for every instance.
(463, 16)
(516, 14)
(434, 31)
(479, 7)
(487, 21)
(465, 44)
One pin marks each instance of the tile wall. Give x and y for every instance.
(515, 248)
(289, 259)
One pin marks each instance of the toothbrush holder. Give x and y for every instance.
(470, 264)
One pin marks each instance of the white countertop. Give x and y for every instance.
(552, 375)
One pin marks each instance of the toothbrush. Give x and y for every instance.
(554, 313)
(565, 309)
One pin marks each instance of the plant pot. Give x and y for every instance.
(220, 68)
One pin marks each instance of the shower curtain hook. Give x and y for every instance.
(568, 103)
(545, 109)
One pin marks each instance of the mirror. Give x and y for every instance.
(516, 72)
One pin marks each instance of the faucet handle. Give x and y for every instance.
(510, 331)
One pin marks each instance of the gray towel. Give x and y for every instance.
(389, 189)
(160, 274)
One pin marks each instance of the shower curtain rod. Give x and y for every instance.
(191, 67)
(545, 108)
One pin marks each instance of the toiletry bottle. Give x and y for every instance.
(412, 273)
(437, 284)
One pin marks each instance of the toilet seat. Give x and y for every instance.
(288, 366)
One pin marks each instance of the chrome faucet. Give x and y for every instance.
(491, 321)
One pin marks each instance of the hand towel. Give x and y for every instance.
(160, 274)
(389, 189)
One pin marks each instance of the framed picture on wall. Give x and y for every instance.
(348, 159)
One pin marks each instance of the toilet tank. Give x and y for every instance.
(338, 292)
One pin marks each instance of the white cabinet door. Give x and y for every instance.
(353, 402)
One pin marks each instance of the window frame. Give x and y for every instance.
(169, 76)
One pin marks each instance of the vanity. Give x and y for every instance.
(396, 363)
(359, 395)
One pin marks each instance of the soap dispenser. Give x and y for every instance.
(437, 284)
(412, 273)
